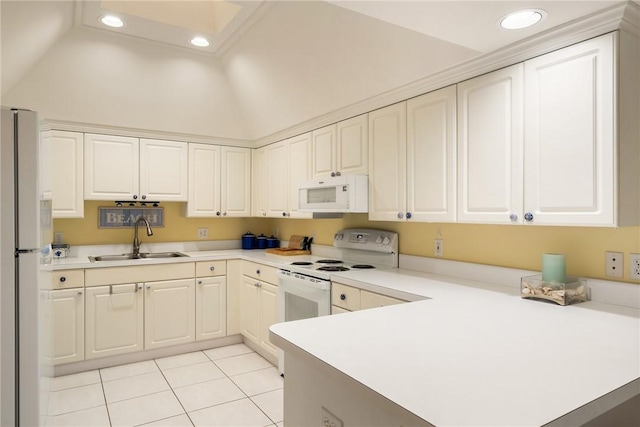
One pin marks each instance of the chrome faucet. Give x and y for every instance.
(136, 241)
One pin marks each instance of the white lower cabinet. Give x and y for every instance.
(65, 315)
(211, 308)
(169, 314)
(114, 320)
(259, 308)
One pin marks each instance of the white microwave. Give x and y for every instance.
(348, 193)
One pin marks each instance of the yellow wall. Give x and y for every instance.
(516, 246)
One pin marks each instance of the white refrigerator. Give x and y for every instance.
(25, 231)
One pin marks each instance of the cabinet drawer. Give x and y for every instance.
(337, 310)
(345, 297)
(372, 300)
(67, 279)
(135, 274)
(211, 268)
(260, 271)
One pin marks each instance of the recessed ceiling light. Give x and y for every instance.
(522, 19)
(112, 21)
(200, 42)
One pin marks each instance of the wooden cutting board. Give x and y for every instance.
(287, 251)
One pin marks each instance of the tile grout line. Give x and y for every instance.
(104, 396)
(174, 393)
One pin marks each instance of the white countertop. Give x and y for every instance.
(474, 354)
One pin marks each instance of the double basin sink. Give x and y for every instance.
(131, 256)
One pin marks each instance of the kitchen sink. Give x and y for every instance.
(142, 255)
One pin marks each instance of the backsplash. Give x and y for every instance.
(515, 246)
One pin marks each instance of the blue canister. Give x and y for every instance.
(261, 241)
(273, 242)
(248, 240)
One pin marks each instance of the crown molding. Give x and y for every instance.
(143, 133)
(593, 25)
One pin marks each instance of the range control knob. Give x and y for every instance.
(385, 241)
(379, 239)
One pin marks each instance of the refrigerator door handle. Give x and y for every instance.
(27, 251)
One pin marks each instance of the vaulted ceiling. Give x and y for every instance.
(270, 65)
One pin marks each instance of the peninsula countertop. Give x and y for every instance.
(476, 354)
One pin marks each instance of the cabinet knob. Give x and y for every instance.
(257, 271)
(513, 217)
(343, 297)
(217, 213)
(63, 279)
(135, 197)
(212, 268)
(408, 215)
(79, 292)
(264, 214)
(284, 214)
(338, 174)
(144, 197)
(400, 215)
(224, 214)
(528, 217)
(148, 286)
(333, 174)
(257, 285)
(199, 282)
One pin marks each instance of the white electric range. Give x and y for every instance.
(304, 287)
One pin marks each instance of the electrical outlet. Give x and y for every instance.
(614, 264)
(330, 420)
(203, 233)
(634, 262)
(437, 247)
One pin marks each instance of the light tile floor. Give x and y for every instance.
(226, 386)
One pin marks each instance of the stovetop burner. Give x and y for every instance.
(301, 263)
(329, 261)
(333, 268)
(362, 266)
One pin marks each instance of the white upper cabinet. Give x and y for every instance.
(124, 168)
(388, 162)
(283, 166)
(46, 164)
(490, 145)
(111, 167)
(67, 166)
(219, 181)
(236, 182)
(340, 149)
(163, 170)
(569, 135)
(431, 156)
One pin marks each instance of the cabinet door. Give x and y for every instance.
(250, 309)
(164, 172)
(169, 313)
(299, 149)
(67, 174)
(111, 165)
(236, 181)
(46, 165)
(64, 314)
(211, 308)
(204, 181)
(114, 320)
(490, 138)
(431, 156)
(352, 146)
(268, 315)
(323, 149)
(276, 189)
(387, 163)
(258, 183)
(569, 140)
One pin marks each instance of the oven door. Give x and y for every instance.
(301, 297)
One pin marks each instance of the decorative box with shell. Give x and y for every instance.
(574, 290)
